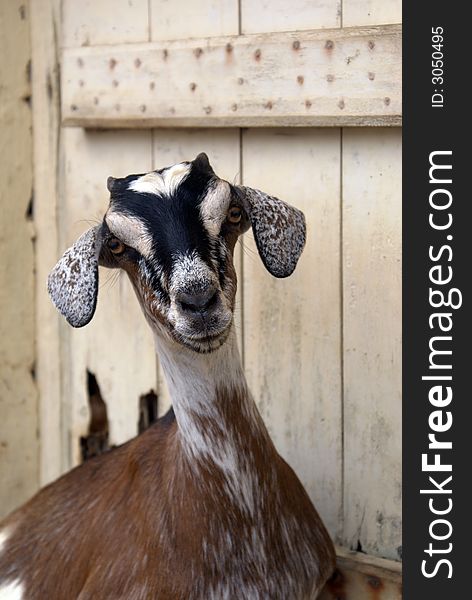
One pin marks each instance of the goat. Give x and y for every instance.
(200, 506)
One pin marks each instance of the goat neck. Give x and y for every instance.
(212, 403)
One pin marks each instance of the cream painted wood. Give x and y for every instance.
(371, 12)
(259, 16)
(292, 327)
(90, 22)
(222, 146)
(117, 345)
(331, 77)
(19, 444)
(45, 35)
(176, 19)
(372, 340)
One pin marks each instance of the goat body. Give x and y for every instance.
(198, 507)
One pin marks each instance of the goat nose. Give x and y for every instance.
(197, 301)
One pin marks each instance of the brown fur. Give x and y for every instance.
(203, 509)
(130, 523)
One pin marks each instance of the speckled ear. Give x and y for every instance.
(73, 283)
(279, 230)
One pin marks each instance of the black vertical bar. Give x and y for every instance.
(436, 119)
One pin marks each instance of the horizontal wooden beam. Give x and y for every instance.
(360, 576)
(337, 77)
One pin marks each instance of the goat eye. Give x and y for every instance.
(115, 246)
(234, 215)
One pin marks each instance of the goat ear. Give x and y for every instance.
(279, 230)
(73, 283)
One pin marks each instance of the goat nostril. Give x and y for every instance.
(198, 302)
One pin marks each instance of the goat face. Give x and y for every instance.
(173, 231)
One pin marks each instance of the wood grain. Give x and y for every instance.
(372, 340)
(45, 29)
(326, 78)
(292, 326)
(258, 16)
(183, 19)
(19, 464)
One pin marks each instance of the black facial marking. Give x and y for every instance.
(174, 220)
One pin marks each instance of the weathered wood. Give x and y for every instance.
(327, 77)
(360, 576)
(371, 12)
(45, 35)
(258, 16)
(90, 22)
(183, 19)
(372, 340)
(292, 326)
(19, 468)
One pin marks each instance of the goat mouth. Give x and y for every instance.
(204, 343)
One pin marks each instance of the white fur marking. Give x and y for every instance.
(4, 535)
(214, 206)
(165, 182)
(131, 231)
(13, 590)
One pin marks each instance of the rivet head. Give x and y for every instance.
(329, 45)
(296, 45)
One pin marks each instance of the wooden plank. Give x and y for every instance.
(117, 346)
(90, 22)
(329, 78)
(372, 340)
(259, 16)
(360, 576)
(222, 147)
(292, 326)
(181, 18)
(371, 12)
(45, 31)
(19, 465)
